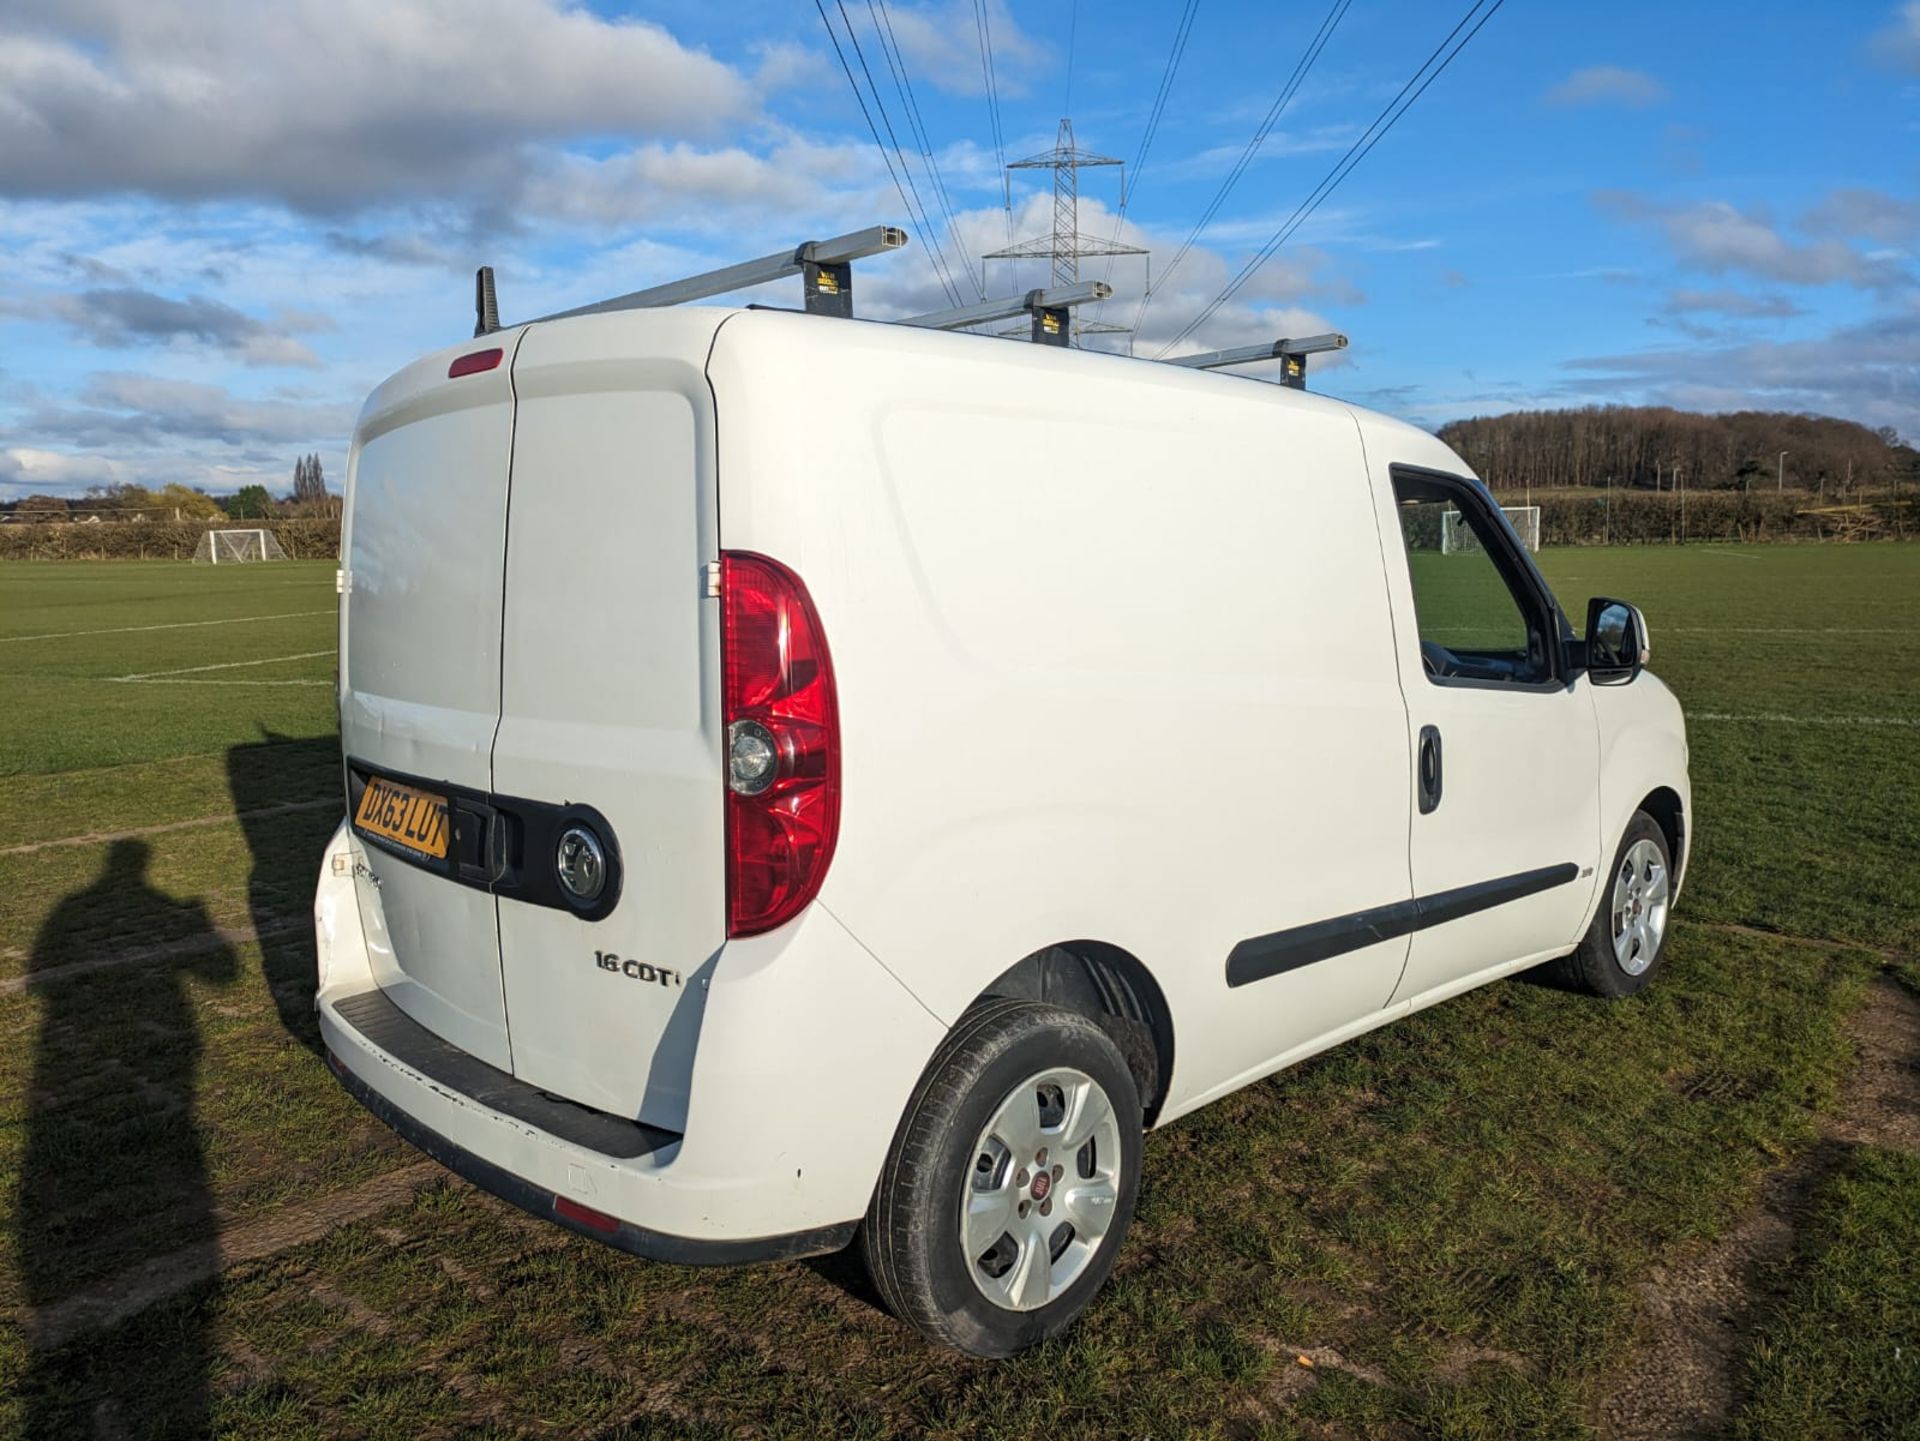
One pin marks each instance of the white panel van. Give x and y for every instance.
(810, 779)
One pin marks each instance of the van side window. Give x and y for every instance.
(1475, 623)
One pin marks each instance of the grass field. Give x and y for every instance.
(1519, 1214)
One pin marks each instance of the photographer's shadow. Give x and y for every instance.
(113, 1173)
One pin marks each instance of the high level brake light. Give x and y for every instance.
(783, 743)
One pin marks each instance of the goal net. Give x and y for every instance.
(1457, 537)
(227, 547)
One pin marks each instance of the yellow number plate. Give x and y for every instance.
(413, 818)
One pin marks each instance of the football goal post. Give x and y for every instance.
(1457, 537)
(229, 547)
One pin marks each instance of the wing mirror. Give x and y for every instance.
(1617, 644)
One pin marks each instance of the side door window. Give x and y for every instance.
(1479, 619)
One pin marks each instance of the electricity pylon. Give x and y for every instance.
(1066, 246)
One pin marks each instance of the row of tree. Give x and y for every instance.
(1643, 447)
(309, 498)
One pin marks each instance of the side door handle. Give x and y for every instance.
(1429, 769)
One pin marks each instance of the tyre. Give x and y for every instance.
(1624, 946)
(1011, 1180)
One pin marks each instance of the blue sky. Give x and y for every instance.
(224, 222)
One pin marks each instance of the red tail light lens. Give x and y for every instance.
(474, 363)
(783, 743)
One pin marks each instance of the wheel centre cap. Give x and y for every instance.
(1042, 1183)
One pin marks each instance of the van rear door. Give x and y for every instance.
(420, 676)
(610, 699)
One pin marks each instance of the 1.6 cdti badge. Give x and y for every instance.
(639, 970)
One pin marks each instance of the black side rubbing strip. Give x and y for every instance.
(1270, 955)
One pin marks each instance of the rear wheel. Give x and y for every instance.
(1625, 944)
(1011, 1182)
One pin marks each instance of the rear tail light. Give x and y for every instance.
(783, 744)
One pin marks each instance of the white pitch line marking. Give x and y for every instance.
(1786, 630)
(1782, 718)
(226, 665)
(174, 680)
(170, 625)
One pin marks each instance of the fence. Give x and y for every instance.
(305, 539)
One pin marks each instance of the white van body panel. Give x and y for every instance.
(426, 503)
(609, 697)
(1125, 655)
(1643, 749)
(1114, 655)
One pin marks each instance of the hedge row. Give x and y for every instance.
(1643, 518)
(1630, 518)
(308, 539)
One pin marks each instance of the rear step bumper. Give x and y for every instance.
(374, 1015)
(654, 1245)
(808, 1052)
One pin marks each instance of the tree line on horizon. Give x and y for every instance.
(1643, 447)
(308, 498)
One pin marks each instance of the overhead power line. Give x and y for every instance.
(983, 27)
(1130, 178)
(1428, 72)
(1073, 37)
(942, 269)
(1301, 68)
(903, 83)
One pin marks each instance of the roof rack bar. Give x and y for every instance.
(826, 264)
(1293, 353)
(1249, 354)
(1048, 308)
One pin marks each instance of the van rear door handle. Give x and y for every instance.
(1429, 769)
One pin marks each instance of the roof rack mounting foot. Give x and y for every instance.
(1047, 307)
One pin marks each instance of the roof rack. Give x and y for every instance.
(1293, 352)
(827, 268)
(1048, 308)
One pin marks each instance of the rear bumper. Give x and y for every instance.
(654, 1245)
(808, 1053)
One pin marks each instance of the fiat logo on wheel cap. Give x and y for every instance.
(1042, 1183)
(581, 863)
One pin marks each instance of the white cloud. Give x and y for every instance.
(25, 470)
(1608, 85)
(1899, 43)
(125, 316)
(1719, 238)
(712, 190)
(1730, 302)
(331, 105)
(941, 43)
(124, 409)
(1868, 372)
(1872, 214)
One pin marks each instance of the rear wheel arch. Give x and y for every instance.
(1108, 985)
